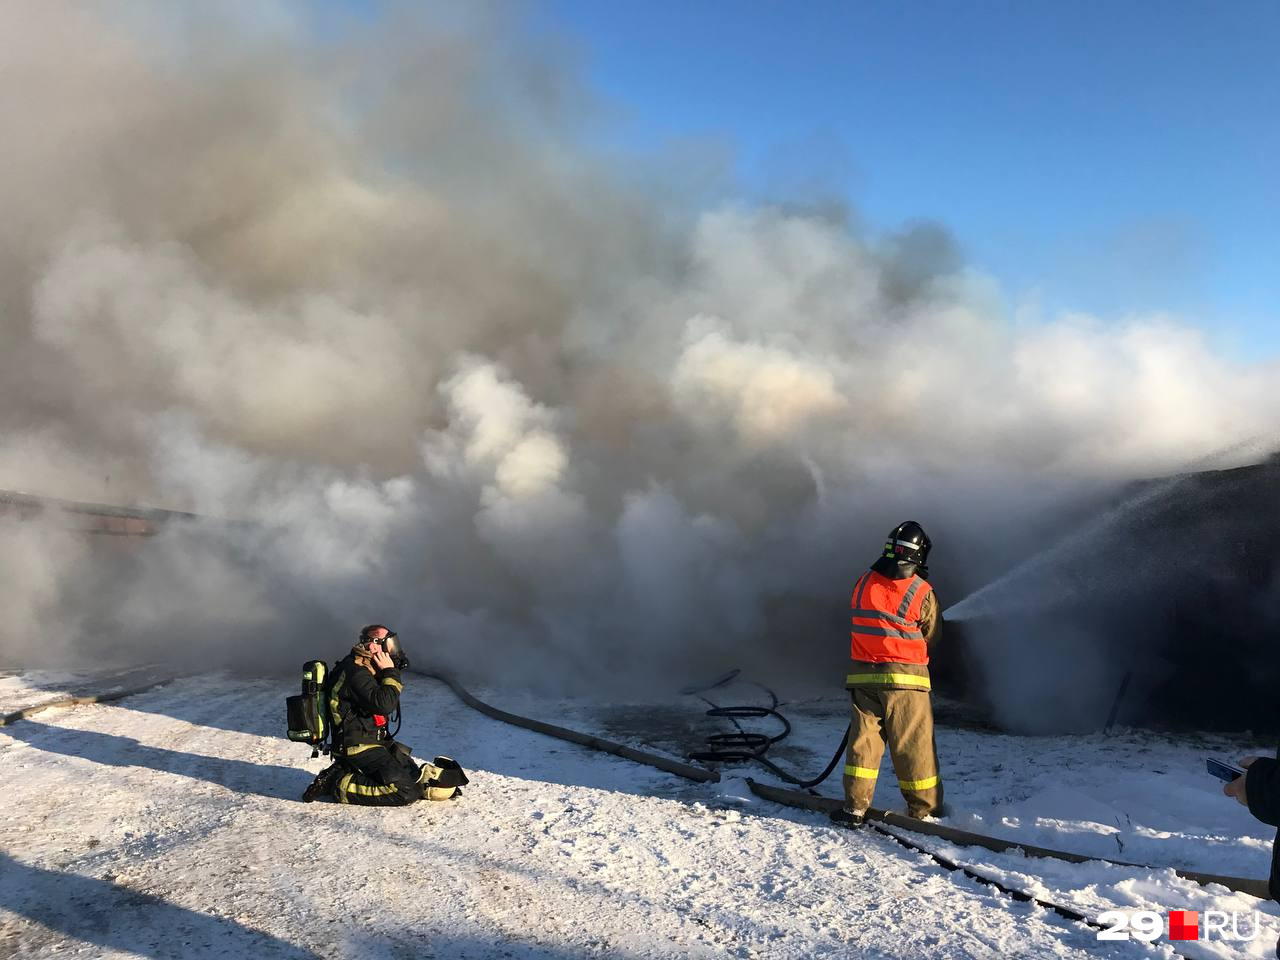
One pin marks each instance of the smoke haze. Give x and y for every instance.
(384, 302)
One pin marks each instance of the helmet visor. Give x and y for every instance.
(391, 644)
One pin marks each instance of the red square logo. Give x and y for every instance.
(1184, 925)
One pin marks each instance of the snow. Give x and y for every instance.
(168, 825)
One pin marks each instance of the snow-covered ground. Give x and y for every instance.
(168, 825)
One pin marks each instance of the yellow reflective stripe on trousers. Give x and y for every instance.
(392, 682)
(379, 791)
(346, 788)
(360, 748)
(903, 679)
(861, 773)
(927, 783)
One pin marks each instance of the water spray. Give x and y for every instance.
(987, 599)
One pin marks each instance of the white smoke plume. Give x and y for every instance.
(378, 303)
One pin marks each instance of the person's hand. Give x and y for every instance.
(378, 657)
(1236, 788)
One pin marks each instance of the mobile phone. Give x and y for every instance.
(1226, 772)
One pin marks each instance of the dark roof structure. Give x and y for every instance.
(98, 518)
(1172, 594)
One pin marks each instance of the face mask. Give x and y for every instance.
(391, 645)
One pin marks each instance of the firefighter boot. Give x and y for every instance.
(322, 785)
(847, 819)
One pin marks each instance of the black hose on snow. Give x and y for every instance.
(745, 746)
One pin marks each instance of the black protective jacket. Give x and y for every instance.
(1262, 783)
(356, 694)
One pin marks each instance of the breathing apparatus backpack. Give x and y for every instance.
(307, 711)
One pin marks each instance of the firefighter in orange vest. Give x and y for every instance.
(895, 616)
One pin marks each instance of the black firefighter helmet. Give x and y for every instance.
(908, 543)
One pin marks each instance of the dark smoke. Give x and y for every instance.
(378, 307)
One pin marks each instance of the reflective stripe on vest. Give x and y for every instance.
(902, 632)
(885, 619)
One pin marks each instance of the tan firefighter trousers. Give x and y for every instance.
(904, 720)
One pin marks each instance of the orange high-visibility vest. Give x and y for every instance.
(886, 619)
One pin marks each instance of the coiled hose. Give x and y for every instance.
(745, 746)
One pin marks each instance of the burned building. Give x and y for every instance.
(1163, 610)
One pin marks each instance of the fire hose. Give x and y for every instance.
(25, 712)
(744, 746)
(881, 820)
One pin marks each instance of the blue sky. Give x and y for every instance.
(1108, 157)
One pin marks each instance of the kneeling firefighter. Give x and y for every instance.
(895, 618)
(370, 767)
